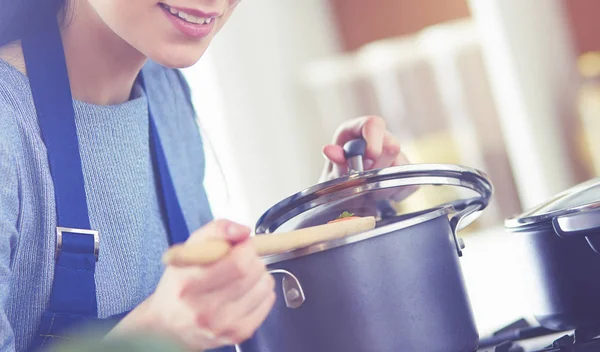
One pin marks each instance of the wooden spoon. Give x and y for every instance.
(213, 249)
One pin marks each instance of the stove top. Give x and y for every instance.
(522, 337)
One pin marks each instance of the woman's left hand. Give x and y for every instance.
(383, 148)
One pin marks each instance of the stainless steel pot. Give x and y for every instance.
(398, 287)
(560, 243)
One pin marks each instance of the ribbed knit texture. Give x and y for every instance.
(121, 192)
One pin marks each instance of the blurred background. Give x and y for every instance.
(510, 87)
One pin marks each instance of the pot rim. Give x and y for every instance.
(379, 231)
(364, 182)
(518, 224)
(531, 219)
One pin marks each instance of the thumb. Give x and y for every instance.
(236, 233)
(228, 230)
(334, 153)
(337, 162)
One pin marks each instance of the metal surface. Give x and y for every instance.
(461, 220)
(520, 336)
(561, 284)
(337, 194)
(580, 222)
(292, 290)
(95, 234)
(364, 184)
(388, 289)
(354, 151)
(355, 165)
(378, 231)
(579, 199)
(400, 292)
(560, 242)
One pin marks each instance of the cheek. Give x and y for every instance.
(113, 11)
(143, 25)
(132, 20)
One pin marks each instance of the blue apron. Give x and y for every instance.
(73, 297)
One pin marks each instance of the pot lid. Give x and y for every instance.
(580, 198)
(376, 193)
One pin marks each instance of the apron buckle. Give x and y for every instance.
(61, 230)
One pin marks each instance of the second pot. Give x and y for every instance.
(560, 245)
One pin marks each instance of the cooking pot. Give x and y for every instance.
(560, 243)
(398, 287)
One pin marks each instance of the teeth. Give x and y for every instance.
(187, 17)
(195, 19)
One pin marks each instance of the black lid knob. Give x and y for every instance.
(355, 147)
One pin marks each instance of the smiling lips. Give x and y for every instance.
(191, 22)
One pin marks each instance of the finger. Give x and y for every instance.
(248, 324)
(371, 128)
(199, 339)
(246, 305)
(231, 231)
(233, 290)
(374, 133)
(401, 159)
(334, 153)
(337, 165)
(233, 267)
(389, 152)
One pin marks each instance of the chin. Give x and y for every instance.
(178, 58)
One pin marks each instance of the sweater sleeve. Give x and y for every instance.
(9, 214)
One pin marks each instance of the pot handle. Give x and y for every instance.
(292, 290)
(580, 224)
(467, 211)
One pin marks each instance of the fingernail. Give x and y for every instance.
(235, 231)
(323, 151)
(368, 163)
(225, 342)
(207, 334)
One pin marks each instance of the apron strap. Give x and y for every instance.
(74, 288)
(178, 230)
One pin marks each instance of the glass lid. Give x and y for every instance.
(584, 196)
(383, 193)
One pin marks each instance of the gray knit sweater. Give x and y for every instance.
(121, 192)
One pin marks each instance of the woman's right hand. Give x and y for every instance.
(212, 306)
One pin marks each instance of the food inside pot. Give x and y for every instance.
(343, 217)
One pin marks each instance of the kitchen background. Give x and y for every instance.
(511, 87)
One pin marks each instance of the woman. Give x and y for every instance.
(102, 168)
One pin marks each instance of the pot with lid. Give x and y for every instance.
(560, 240)
(397, 287)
